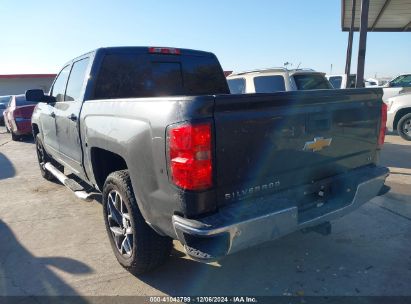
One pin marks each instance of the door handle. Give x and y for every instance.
(52, 114)
(72, 117)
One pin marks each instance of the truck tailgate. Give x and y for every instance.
(270, 142)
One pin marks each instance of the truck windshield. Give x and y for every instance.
(133, 75)
(311, 82)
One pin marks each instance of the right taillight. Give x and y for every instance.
(190, 156)
(381, 135)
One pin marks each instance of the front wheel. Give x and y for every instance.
(137, 247)
(42, 158)
(404, 127)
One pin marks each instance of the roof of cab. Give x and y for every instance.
(138, 49)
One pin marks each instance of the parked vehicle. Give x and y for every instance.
(17, 116)
(4, 100)
(399, 115)
(276, 80)
(176, 156)
(399, 85)
(340, 81)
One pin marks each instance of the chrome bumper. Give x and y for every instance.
(235, 228)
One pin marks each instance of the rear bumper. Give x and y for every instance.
(235, 228)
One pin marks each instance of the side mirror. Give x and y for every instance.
(36, 95)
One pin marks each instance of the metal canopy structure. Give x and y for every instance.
(383, 15)
(372, 16)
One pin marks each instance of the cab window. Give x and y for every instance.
(76, 80)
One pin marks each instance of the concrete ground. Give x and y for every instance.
(54, 244)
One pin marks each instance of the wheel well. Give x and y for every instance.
(399, 115)
(35, 129)
(105, 162)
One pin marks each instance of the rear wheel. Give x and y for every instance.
(404, 127)
(137, 247)
(15, 137)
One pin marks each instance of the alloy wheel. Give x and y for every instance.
(118, 217)
(406, 127)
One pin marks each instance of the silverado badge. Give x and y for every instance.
(317, 144)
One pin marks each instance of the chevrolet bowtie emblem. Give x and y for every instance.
(317, 144)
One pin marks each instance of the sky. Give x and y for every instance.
(40, 36)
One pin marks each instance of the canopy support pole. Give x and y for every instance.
(349, 46)
(365, 4)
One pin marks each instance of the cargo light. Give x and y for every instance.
(383, 127)
(190, 157)
(163, 50)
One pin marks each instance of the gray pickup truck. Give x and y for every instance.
(175, 156)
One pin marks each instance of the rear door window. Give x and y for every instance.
(237, 86)
(269, 84)
(131, 75)
(311, 82)
(76, 80)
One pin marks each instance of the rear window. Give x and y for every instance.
(142, 75)
(311, 82)
(21, 101)
(237, 86)
(269, 84)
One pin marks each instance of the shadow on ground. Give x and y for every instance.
(394, 155)
(6, 167)
(23, 274)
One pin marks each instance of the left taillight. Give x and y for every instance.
(383, 128)
(190, 155)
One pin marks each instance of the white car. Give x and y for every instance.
(399, 85)
(399, 115)
(276, 80)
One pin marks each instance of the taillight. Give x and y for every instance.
(163, 50)
(383, 128)
(190, 156)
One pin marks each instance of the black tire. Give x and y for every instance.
(15, 137)
(43, 158)
(147, 249)
(404, 127)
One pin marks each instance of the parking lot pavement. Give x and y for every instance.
(54, 244)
